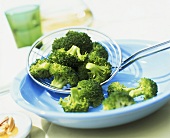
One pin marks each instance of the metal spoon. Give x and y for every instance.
(144, 53)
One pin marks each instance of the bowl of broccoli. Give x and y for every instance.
(62, 58)
(132, 94)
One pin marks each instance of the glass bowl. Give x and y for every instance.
(43, 47)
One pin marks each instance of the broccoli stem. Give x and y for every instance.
(44, 66)
(74, 94)
(58, 82)
(95, 68)
(80, 56)
(75, 51)
(136, 92)
(127, 90)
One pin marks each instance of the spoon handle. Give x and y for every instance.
(144, 53)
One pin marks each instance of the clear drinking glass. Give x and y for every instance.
(25, 24)
(24, 20)
(57, 14)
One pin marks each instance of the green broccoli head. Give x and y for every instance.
(59, 81)
(92, 91)
(82, 72)
(118, 87)
(98, 51)
(55, 68)
(40, 69)
(72, 57)
(100, 73)
(62, 42)
(63, 75)
(73, 102)
(117, 100)
(147, 87)
(60, 56)
(80, 39)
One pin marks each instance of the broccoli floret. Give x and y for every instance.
(92, 91)
(74, 103)
(82, 72)
(100, 73)
(96, 59)
(147, 87)
(71, 57)
(63, 75)
(75, 51)
(98, 51)
(62, 42)
(118, 87)
(80, 39)
(59, 82)
(60, 56)
(40, 69)
(117, 100)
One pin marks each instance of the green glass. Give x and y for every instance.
(25, 23)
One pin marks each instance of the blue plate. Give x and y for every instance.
(44, 103)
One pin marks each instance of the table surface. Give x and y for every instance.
(130, 19)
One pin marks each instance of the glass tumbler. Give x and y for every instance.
(64, 13)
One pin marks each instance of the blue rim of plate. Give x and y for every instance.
(16, 95)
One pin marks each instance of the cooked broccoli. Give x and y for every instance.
(75, 51)
(80, 39)
(60, 56)
(74, 102)
(97, 68)
(62, 42)
(98, 51)
(71, 57)
(63, 75)
(117, 100)
(100, 72)
(40, 69)
(82, 72)
(147, 87)
(92, 91)
(118, 87)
